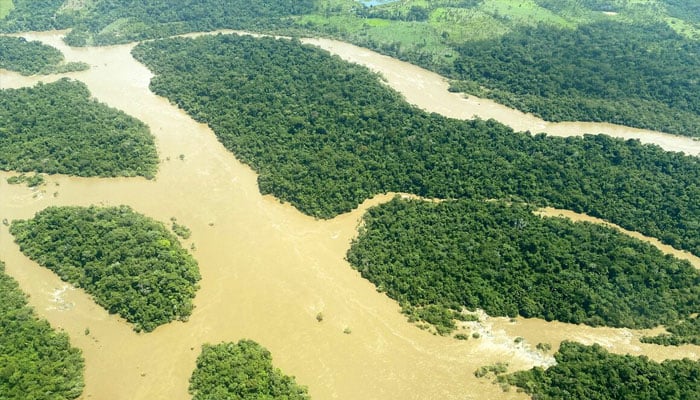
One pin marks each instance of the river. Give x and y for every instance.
(267, 269)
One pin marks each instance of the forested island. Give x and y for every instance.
(57, 128)
(30, 58)
(241, 371)
(325, 135)
(627, 62)
(438, 258)
(131, 265)
(590, 372)
(34, 359)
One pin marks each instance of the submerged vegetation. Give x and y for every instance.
(129, 263)
(242, 371)
(30, 58)
(34, 359)
(57, 128)
(590, 372)
(502, 258)
(325, 135)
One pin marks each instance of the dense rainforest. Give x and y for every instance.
(35, 360)
(627, 62)
(103, 22)
(640, 75)
(131, 265)
(506, 260)
(591, 373)
(57, 128)
(30, 58)
(241, 371)
(325, 135)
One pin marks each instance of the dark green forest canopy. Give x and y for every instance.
(33, 15)
(640, 75)
(507, 261)
(562, 60)
(57, 128)
(685, 331)
(241, 371)
(325, 135)
(108, 22)
(131, 265)
(590, 372)
(29, 58)
(34, 359)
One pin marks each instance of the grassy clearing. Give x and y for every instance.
(5, 7)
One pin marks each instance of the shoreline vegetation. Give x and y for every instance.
(57, 128)
(590, 372)
(549, 54)
(325, 135)
(131, 265)
(243, 371)
(439, 258)
(34, 58)
(35, 358)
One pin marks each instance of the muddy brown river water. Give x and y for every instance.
(267, 269)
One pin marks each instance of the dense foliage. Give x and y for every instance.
(507, 261)
(58, 128)
(241, 371)
(325, 135)
(33, 15)
(633, 74)
(29, 58)
(34, 359)
(686, 331)
(636, 67)
(591, 373)
(129, 263)
(560, 59)
(107, 22)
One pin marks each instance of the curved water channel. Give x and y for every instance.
(267, 269)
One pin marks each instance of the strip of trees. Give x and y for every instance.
(590, 372)
(32, 57)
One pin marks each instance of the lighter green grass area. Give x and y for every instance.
(377, 22)
(5, 7)
(76, 5)
(684, 28)
(117, 26)
(525, 13)
(464, 24)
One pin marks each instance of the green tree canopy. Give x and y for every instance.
(57, 128)
(36, 362)
(241, 371)
(131, 265)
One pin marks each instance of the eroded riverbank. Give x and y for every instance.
(267, 270)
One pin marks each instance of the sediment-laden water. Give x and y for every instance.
(267, 269)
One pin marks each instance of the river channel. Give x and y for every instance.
(267, 269)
